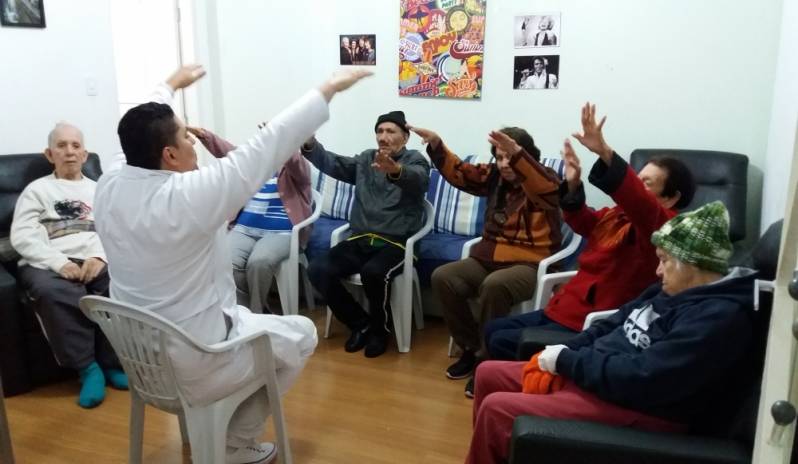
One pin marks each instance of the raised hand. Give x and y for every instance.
(197, 132)
(426, 135)
(185, 76)
(91, 269)
(384, 163)
(591, 137)
(504, 142)
(341, 81)
(573, 170)
(70, 271)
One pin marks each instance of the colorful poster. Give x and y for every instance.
(441, 47)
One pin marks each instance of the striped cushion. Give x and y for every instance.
(337, 196)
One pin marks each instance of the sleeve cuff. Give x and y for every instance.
(565, 362)
(571, 201)
(608, 178)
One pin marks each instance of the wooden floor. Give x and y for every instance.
(345, 408)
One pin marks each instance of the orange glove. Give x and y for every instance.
(537, 381)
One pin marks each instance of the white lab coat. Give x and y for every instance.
(164, 235)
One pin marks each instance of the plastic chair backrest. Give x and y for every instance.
(139, 338)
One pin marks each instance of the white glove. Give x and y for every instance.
(548, 358)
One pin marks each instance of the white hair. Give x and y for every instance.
(59, 126)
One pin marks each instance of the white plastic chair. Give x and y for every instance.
(405, 289)
(536, 302)
(288, 274)
(139, 338)
(6, 451)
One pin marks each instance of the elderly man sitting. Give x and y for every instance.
(657, 364)
(63, 260)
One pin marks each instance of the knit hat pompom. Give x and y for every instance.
(699, 237)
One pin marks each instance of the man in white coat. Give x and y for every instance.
(163, 221)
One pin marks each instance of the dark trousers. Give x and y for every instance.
(377, 265)
(503, 335)
(496, 289)
(75, 340)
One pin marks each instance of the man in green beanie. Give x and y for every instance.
(660, 363)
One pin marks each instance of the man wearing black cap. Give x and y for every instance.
(391, 182)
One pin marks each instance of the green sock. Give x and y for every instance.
(117, 378)
(92, 391)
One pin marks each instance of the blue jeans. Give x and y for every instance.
(503, 334)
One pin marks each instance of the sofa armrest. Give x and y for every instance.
(13, 355)
(534, 339)
(541, 440)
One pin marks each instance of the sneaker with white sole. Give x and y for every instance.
(260, 454)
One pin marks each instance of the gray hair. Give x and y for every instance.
(59, 126)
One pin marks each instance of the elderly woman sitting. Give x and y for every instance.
(654, 365)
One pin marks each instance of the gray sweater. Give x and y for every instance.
(391, 208)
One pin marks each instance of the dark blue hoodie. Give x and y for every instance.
(668, 356)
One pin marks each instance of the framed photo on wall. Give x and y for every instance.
(540, 30)
(536, 72)
(358, 49)
(22, 13)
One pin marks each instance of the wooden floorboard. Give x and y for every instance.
(345, 408)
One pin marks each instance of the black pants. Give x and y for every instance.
(75, 340)
(377, 265)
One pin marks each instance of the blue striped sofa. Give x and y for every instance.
(458, 217)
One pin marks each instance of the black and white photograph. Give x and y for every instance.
(536, 72)
(358, 49)
(537, 31)
(22, 13)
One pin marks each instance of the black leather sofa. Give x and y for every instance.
(724, 436)
(718, 176)
(25, 357)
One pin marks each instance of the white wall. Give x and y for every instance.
(43, 78)
(784, 120)
(669, 73)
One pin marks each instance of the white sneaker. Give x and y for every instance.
(260, 454)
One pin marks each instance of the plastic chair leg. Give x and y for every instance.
(136, 428)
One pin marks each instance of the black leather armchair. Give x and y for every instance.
(725, 436)
(25, 357)
(718, 175)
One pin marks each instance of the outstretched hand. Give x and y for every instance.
(197, 132)
(592, 137)
(504, 142)
(185, 76)
(573, 169)
(426, 135)
(341, 81)
(383, 162)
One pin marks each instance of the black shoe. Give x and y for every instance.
(356, 341)
(376, 345)
(463, 367)
(469, 388)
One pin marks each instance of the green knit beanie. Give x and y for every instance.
(700, 237)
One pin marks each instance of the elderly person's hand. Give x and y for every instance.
(91, 268)
(70, 271)
(592, 137)
(426, 135)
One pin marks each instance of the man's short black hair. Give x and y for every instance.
(522, 138)
(679, 179)
(143, 133)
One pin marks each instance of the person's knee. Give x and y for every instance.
(441, 277)
(262, 263)
(377, 274)
(493, 287)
